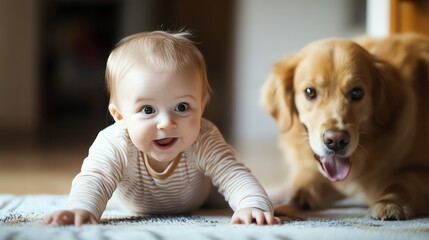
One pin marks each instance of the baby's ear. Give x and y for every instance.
(114, 111)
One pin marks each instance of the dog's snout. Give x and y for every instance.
(336, 140)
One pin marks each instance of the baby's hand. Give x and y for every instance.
(69, 217)
(250, 215)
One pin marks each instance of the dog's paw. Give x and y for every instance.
(387, 211)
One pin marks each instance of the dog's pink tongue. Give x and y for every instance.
(337, 168)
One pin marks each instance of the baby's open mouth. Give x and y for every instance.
(165, 142)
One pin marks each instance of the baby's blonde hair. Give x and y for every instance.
(159, 51)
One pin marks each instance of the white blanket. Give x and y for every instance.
(20, 218)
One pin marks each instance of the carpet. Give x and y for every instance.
(20, 218)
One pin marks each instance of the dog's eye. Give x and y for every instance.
(310, 93)
(356, 94)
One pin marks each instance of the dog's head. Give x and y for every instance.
(335, 88)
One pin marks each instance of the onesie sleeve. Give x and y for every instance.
(101, 171)
(218, 160)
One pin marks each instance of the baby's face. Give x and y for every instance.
(161, 111)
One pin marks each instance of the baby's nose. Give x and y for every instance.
(166, 122)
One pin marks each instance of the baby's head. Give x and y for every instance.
(158, 90)
(157, 51)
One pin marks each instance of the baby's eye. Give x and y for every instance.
(148, 110)
(181, 107)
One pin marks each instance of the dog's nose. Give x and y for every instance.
(336, 140)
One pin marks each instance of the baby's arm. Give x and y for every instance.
(243, 192)
(254, 215)
(69, 217)
(91, 189)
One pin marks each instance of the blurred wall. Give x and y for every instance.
(53, 55)
(378, 17)
(19, 34)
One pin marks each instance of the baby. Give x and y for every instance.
(160, 156)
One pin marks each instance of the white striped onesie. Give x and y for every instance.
(114, 164)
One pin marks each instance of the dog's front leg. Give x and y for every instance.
(305, 188)
(405, 197)
(310, 190)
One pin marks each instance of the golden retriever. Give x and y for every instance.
(358, 114)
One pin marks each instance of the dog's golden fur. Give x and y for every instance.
(358, 114)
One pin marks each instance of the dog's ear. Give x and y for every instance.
(386, 92)
(277, 93)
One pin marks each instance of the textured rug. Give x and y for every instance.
(20, 218)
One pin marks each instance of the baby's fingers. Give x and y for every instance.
(259, 217)
(271, 219)
(235, 220)
(84, 218)
(242, 218)
(48, 219)
(64, 218)
(79, 219)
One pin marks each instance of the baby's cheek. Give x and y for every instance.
(140, 137)
(193, 128)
